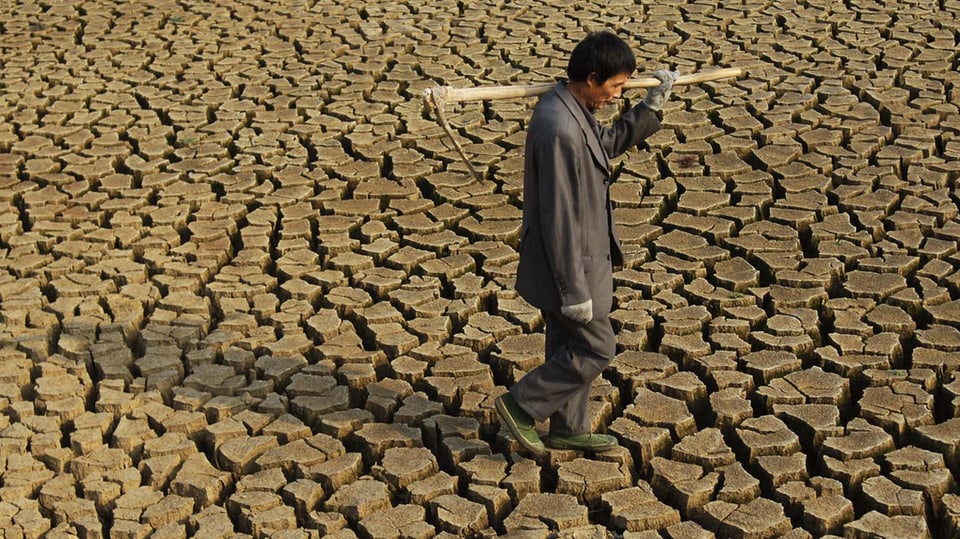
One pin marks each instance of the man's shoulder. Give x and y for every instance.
(552, 117)
(551, 100)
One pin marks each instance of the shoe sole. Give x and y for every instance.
(594, 449)
(507, 420)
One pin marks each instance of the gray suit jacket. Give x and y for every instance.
(568, 244)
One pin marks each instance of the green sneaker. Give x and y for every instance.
(520, 423)
(586, 442)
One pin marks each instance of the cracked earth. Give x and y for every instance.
(250, 290)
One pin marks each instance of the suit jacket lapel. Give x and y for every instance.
(577, 111)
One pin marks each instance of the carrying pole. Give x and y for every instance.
(438, 96)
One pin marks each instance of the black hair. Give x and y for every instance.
(602, 53)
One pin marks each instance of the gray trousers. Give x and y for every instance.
(560, 387)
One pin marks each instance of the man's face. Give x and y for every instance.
(602, 93)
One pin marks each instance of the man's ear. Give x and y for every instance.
(593, 79)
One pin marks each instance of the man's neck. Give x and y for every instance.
(577, 89)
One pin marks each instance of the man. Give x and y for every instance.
(568, 245)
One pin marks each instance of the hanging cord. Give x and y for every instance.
(437, 98)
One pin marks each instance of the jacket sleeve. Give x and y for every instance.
(558, 178)
(631, 129)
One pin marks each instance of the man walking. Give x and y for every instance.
(568, 244)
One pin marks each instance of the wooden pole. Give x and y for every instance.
(438, 96)
(481, 93)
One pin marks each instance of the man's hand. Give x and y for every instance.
(659, 95)
(581, 312)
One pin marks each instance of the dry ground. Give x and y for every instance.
(248, 290)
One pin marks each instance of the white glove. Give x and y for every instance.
(659, 95)
(581, 312)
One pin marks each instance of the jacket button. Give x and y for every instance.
(608, 257)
